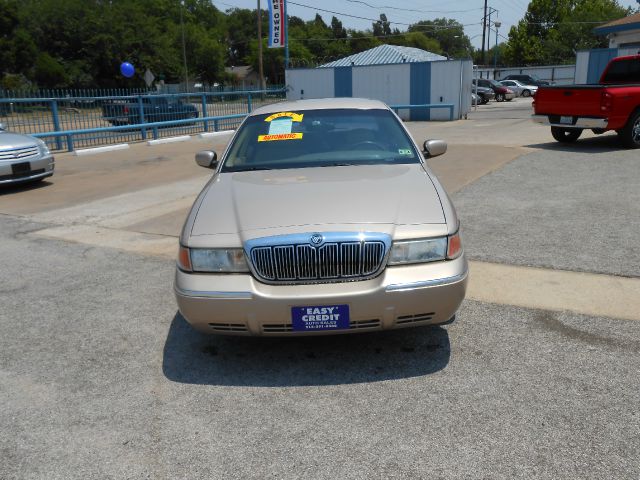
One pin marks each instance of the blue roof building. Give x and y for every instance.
(385, 55)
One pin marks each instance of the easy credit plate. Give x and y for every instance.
(566, 120)
(321, 317)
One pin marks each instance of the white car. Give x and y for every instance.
(521, 89)
(23, 159)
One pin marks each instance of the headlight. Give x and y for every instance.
(426, 250)
(215, 260)
(418, 251)
(44, 150)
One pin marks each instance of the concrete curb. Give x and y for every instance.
(183, 138)
(93, 151)
(216, 134)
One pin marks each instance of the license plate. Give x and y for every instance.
(20, 168)
(324, 317)
(566, 120)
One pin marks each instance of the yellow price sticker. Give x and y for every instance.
(296, 117)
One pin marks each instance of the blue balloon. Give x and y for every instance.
(127, 69)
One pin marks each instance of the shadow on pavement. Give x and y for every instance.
(593, 145)
(195, 358)
(10, 188)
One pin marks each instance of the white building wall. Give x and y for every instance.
(582, 67)
(624, 51)
(388, 83)
(620, 38)
(309, 83)
(446, 79)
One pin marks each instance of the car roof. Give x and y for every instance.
(322, 104)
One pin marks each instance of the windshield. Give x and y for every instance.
(494, 83)
(319, 138)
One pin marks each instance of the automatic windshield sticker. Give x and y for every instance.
(404, 151)
(281, 126)
(280, 136)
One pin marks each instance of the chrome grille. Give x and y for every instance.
(19, 153)
(341, 260)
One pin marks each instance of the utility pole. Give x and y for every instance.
(184, 50)
(497, 23)
(488, 33)
(260, 67)
(484, 30)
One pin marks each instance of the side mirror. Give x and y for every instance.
(207, 159)
(434, 148)
(3, 127)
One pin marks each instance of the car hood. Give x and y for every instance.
(15, 140)
(330, 196)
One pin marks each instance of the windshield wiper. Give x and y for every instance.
(337, 164)
(248, 169)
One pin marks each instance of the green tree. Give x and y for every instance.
(448, 32)
(553, 30)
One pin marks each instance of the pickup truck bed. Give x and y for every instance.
(613, 104)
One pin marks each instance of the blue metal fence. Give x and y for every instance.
(66, 122)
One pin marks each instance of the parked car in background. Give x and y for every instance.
(354, 233)
(485, 94)
(527, 80)
(613, 104)
(23, 158)
(155, 108)
(520, 89)
(501, 92)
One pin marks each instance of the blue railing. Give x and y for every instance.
(104, 120)
(154, 127)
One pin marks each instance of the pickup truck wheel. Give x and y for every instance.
(526, 93)
(630, 134)
(566, 135)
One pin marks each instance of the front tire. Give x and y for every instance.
(526, 93)
(566, 135)
(630, 134)
(499, 97)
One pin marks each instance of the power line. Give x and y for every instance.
(389, 7)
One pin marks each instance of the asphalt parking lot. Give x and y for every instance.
(100, 377)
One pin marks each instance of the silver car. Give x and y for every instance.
(321, 217)
(521, 89)
(23, 159)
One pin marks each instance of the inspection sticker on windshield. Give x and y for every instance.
(404, 151)
(327, 317)
(279, 136)
(281, 125)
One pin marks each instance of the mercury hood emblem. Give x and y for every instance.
(316, 239)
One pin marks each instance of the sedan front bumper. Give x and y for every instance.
(400, 297)
(39, 168)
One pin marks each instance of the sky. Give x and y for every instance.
(404, 12)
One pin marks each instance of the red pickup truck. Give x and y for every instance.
(613, 104)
